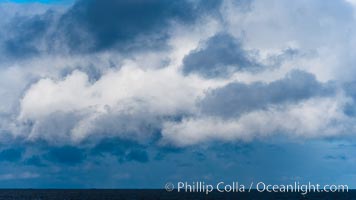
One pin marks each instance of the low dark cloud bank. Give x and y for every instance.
(237, 98)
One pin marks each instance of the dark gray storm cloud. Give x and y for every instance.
(118, 21)
(237, 98)
(96, 25)
(221, 55)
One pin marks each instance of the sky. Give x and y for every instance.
(38, 1)
(135, 94)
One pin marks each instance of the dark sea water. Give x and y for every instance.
(64, 194)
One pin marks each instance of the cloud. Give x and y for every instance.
(14, 176)
(26, 29)
(123, 150)
(126, 101)
(220, 56)
(118, 21)
(350, 107)
(40, 153)
(217, 64)
(67, 155)
(336, 158)
(318, 27)
(236, 98)
(314, 118)
(95, 86)
(27, 33)
(94, 26)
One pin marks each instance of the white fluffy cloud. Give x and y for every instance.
(128, 91)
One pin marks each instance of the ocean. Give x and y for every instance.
(133, 194)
